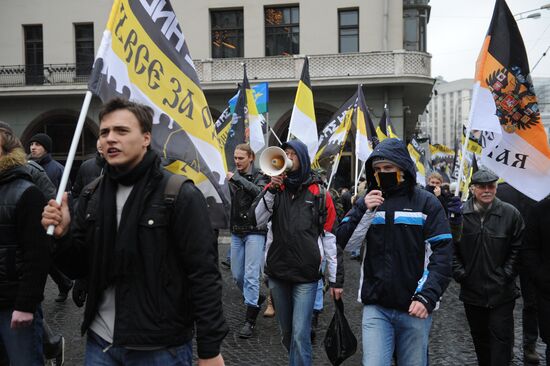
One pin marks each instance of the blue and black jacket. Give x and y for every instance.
(408, 241)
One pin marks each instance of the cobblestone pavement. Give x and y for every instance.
(450, 341)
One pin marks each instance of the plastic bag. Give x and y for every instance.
(340, 343)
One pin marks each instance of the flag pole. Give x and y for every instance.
(475, 90)
(334, 169)
(72, 152)
(274, 134)
(356, 168)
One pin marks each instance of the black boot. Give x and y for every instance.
(247, 329)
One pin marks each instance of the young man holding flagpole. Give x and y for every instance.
(150, 257)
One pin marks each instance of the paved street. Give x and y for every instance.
(450, 342)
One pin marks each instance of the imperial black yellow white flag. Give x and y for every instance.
(365, 134)
(143, 56)
(517, 148)
(302, 121)
(385, 128)
(333, 136)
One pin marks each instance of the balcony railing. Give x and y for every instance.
(278, 68)
(50, 74)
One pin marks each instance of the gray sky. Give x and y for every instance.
(457, 28)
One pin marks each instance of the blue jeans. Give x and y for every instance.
(23, 345)
(294, 304)
(247, 257)
(385, 328)
(319, 297)
(98, 353)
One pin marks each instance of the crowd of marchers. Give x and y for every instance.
(135, 245)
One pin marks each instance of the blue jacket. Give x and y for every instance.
(408, 241)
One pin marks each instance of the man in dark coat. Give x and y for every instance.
(485, 264)
(40, 148)
(24, 256)
(536, 261)
(524, 204)
(88, 171)
(406, 265)
(299, 237)
(151, 264)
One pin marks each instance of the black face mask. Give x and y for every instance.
(387, 181)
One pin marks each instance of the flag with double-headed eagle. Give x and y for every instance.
(143, 56)
(505, 109)
(334, 136)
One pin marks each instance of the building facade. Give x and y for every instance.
(48, 49)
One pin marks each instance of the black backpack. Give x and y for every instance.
(171, 190)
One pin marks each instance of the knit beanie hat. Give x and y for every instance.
(381, 160)
(43, 140)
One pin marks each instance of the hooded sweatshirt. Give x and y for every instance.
(299, 243)
(408, 240)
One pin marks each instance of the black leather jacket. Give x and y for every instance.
(244, 189)
(180, 287)
(24, 246)
(486, 258)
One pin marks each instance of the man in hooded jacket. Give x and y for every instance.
(406, 264)
(298, 239)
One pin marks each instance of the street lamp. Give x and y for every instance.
(521, 16)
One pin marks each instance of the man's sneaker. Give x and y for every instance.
(56, 357)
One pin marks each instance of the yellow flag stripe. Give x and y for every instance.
(304, 100)
(150, 70)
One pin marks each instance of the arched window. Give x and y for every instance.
(60, 126)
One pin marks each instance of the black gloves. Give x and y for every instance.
(454, 205)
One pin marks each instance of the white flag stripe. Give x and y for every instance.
(534, 179)
(306, 132)
(257, 141)
(483, 113)
(364, 149)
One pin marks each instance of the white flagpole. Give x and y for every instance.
(475, 90)
(274, 134)
(361, 172)
(356, 167)
(72, 151)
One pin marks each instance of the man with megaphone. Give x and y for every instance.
(302, 216)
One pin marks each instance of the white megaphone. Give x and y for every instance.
(274, 161)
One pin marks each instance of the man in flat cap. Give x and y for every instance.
(485, 263)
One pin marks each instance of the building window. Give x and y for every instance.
(84, 48)
(34, 54)
(282, 31)
(348, 30)
(227, 33)
(415, 20)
